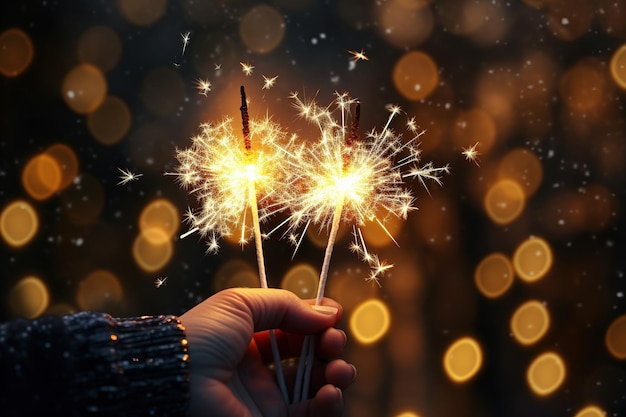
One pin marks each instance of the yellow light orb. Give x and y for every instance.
(463, 359)
(530, 322)
(494, 275)
(29, 298)
(615, 338)
(370, 321)
(532, 259)
(18, 223)
(546, 373)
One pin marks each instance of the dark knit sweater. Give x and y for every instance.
(93, 364)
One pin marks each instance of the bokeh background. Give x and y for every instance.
(507, 295)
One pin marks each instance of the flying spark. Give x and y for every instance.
(357, 56)
(127, 176)
(203, 86)
(471, 154)
(185, 37)
(246, 68)
(269, 82)
(159, 282)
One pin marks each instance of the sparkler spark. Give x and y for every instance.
(356, 55)
(203, 86)
(127, 176)
(246, 68)
(471, 154)
(159, 282)
(269, 82)
(185, 37)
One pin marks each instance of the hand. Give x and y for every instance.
(229, 349)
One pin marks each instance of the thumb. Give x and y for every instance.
(271, 308)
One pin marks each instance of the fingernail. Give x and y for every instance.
(327, 310)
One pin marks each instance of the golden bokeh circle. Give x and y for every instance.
(152, 249)
(67, 161)
(582, 87)
(494, 275)
(235, 273)
(100, 46)
(302, 280)
(405, 24)
(524, 167)
(16, 52)
(504, 201)
(415, 75)
(369, 322)
(618, 66)
(142, 12)
(159, 214)
(110, 122)
(29, 298)
(99, 291)
(532, 259)
(530, 322)
(84, 88)
(262, 29)
(615, 338)
(591, 411)
(463, 359)
(18, 223)
(41, 176)
(546, 373)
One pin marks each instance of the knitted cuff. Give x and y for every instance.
(137, 366)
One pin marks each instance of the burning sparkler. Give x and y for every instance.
(345, 178)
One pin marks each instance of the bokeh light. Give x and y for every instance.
(530, 322)
(100, 290)
(569, 19)
(84, 88)
(41, 177)
(590, 411)
(369, 322)
(67, 161)
(463, 359)
(504, 201)
(302, 280)
(407, 414)
(474, 125)
(615, 338)
(152, 249)
(100, 46)
(29, 298)
(494, 275)
(141, 12)
(110, 122)
(583, 86)
(415, 75)
(235, 273)
(532, 259)
(523, 167)
(405, 24)
(159, 214)
(16, 52)
(618, 66)
(546, 373)
(262, 29)
(18, 223)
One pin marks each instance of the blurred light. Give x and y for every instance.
(377, 236)
(346, 285)
(600, 207)
(84, 88)
(141, 12)
(474, 125)
(320, 237)
(415, 75)
(618, 66)
(99, 291)
(302, 280)
(583, 86)
(504, 201)
(369, 321)
(530, 322)
(18, 223)
(262, 29)
(494, 275)
(407, 414)
(83, 201)
(100, 46)
(29, 298)
(524, 167)
(66, 160)
(546, 373)
(159, 214)
(532, 259)
(110, 122)
(497, 93)
(235, 274)
(463, 359)
(569, 19)
(405, 24)
(16, 52)
(41, 176)
(162, 91)
(590, 411)
(615, 338)
(152, 249)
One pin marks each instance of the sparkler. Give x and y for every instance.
(231, 181)
(344, 178)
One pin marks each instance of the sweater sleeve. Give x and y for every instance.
(94, 364)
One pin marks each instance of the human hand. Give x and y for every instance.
(229, 350)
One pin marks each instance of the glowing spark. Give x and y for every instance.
(356, 56)
(246, 68)
(127, 176)
(218, 67)
(185, 39)
(159, 282)
(471, 154)
(269, 82)
(203, 86)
